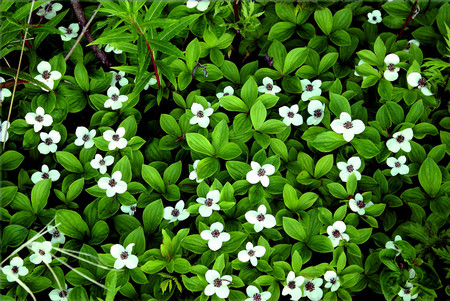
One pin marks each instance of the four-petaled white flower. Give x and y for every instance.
(44, 174)
(115, 139)
(60, 295)
(48, 10)
(119, 77)
(374, 17)
(405, 292)
(291, 115)
(151, 82)
(228, 90)
(131, 210)
(254, 294)
(47, 76)
(358, 205)
(124, 256)
(310, 89)
(38, 119)
(201, 5)
(57, 236)
(201, 115)
(352, 166)
(398, 165)
(14, 269)
(70, 32)
(344, 125)
(115, 99)
(4, 127)
(101, 163)
(251, 254)
(41, 252)
(215, 236)
(293, 286)
(415, 80)
(176, 214)
(260, 219)
(113, 185)
(332, 281)
(336, 233)
(316, 109)
(4, 92)
(390, 244)
(209, 203)
(193, 174)
(109, 48)
(400, 140)
(312, 289)
(49, 142)
(268, 87)
(391, 72)
(217, 285)
(260, 173)
(408, 46)
(84, 137)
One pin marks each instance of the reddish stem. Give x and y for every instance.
(407, 19)
(151, 55)
(236, 13)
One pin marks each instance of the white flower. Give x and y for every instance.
(228, 90)
(344, 125)
(4, 92)
(390, 244)
(412, 273)
(398, 165)
(201, 116)
(41, 252)
(405, 293)
(113, 185)
(4, 127)
(48, 10)
(101, 163)
(415, 79)
(391, 73)
(316, 109)
(332, 280)
(47, 76)
(400, 140)
(291, 115)
(124, 256)
(293, 286)
(217, 285)
(45, 174)
(129, 209)
(193, 174)
(201, 5)
(151, 82)
(408, 46)
(352, 166)
(215, 236)
(60, 295)
(310, 89)
(57, 236)
(109, 48)
(49, 142)
(84, 137)
(260, 219)
(70, 32)
(252, 253)
(115, 99)
(268, 87)
(336, 233)
(119, 77)
(115, 139)
(260, 173)
(39, 119)
(357, 204)
(374, 17)
(176, 214)
(209, 203)
(313, 290)
(254, 294)
(14, 269)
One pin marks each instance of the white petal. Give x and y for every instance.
(116, 250)
(44, 66)
(358, 126)
(283, 111)
(252, 177)
(203, 122)
(392, 59)
(413, 79)
(391, 161)
(196, 107)
(355, 162)
(348, 135)
(205, 211)
(393, 145)
(269, 168)
(267, 80)
(390, 75)
(203, 5)
(304, 83)
(243, 256)
(337, 126)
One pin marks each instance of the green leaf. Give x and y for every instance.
(281, 31)
(307, 200)
(368, 57)
(152, 216)
(75, 189)
(415, 112)
(323, 166)
(170, 31)
(279, 148)
(249, 92)
(342, 19)
(294, 59)
(339, 104)
(69, 162)
(170, 125)
(294, 229)
(320, 244)
(231, 72)
(327, 61)
(10, 160)
(341, 38)
(328, 141)
(324, 19)
(200, 144)
(207, 167)
(379, 48)
(124, 166)
(166, 48)
(72, 224)
(290, 198)
(389, 282)
(40, 194)
(82, 77)
(153, 266)
(337, 190)
(258, 114)
(366, 148)
(430, 177)
(233, 103)
(153, 178)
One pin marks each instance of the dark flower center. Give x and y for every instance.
(336, 233)
(69, 31)
(39, 118)
(115, 137)
(309, 286)
(41, 252)
(56, 234)
(133, 208)
(200, 114)
(421, 83)
(350, 168)
(118, 77)
(318, 113)
(114, 97)
(48, 8)
(269, 60)
(124, 255)
(251, 253)
(407, 291)
(408, 46)
(261, 172)
(102, 162)
(291, 285)
(45, 176)
(217, 282)
(226, 94)
(374, 18)
(397, 164)
(175, 212)
(333, 280)
(15, 269)
(85, 137)
(215, 233)
(112, 183)
(290, 115)
(269, 87)
(257, 297)
(46, 74)
(260, 217)
(309, 88)
(360, 204)
(400, 138)
(391, 67)
(62, 294)
(48, 141)
(348, 125)
(208, 202)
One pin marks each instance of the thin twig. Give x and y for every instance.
(410, 17)
(82, 33)
(151, 56)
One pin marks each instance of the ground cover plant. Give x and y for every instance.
(240, 150)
